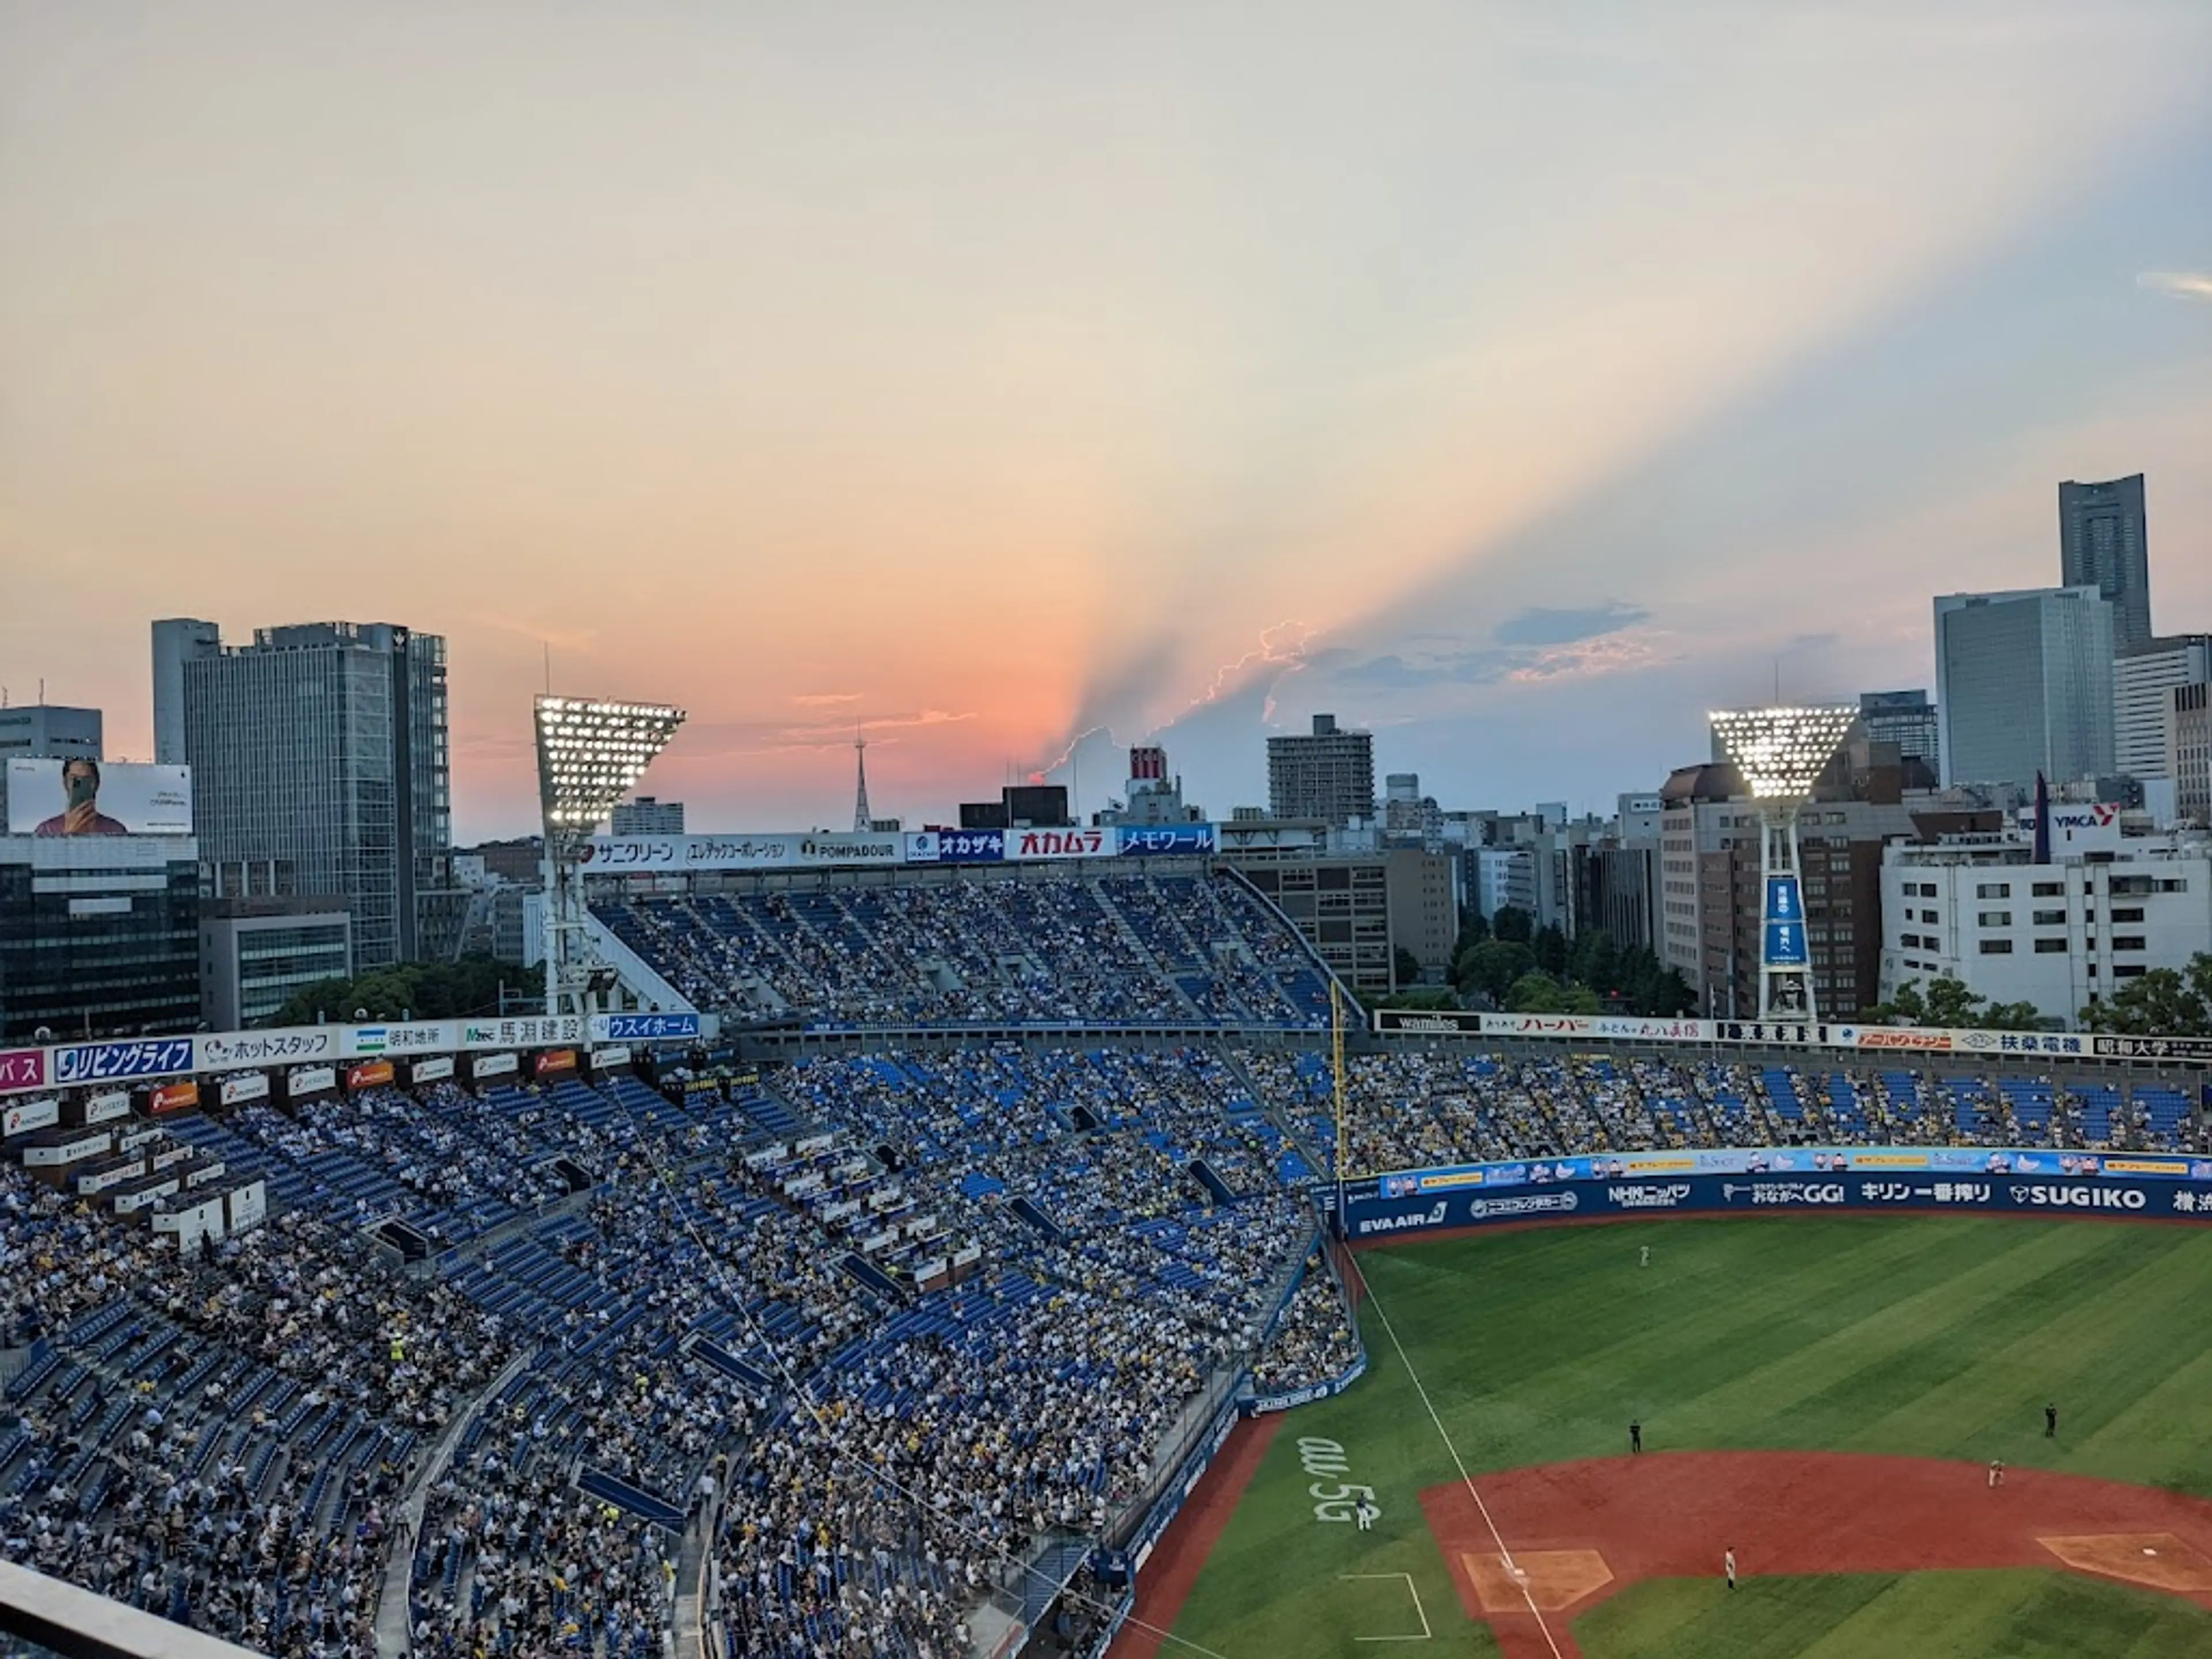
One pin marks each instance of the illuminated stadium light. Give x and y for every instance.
(590, 754)
(1778, 753)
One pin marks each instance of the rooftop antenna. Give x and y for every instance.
(863, 821)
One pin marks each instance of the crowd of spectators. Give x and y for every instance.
(1081, 948)
(1411, 1109)
(1313, 1342)
(219, 1437)
(227, 1437)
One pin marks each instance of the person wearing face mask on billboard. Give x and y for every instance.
(83, 816)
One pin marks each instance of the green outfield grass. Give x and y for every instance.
(1938, 1337)
(1931, 1615)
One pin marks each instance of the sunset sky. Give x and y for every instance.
(1519, 380)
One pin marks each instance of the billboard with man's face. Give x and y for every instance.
(80, 797)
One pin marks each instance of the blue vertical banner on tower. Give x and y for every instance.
(1784, 924)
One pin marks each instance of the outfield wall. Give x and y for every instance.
(1949, 1181)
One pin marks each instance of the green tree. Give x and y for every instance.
(1472, 930)
(1423, 997)
(1538, 992)
(1595, 961)
(1513, 924)
(1551, 947)
(417, 990)
(1491, 967)
(1948, 1002)
(2164, 1002)
(1405, 969)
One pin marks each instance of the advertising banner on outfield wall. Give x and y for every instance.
(292, 1045)
(959, 847)
(1781, 1160)
(1261, 1405)
(1163, 839)
(1372, 1215)
(646, 855)
(99, 1062)
(643, 1027)
(1031, 846)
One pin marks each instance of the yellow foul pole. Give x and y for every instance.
(1336, 1061)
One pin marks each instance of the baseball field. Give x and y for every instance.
(1823, 1396)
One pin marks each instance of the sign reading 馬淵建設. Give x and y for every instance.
(541, 1032)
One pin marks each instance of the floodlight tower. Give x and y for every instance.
(590, 754)
(1779, 752)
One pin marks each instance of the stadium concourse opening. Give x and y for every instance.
(813, 1326)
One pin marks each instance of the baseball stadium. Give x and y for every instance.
(1022, 1243)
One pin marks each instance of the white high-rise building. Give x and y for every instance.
(177, 641)
(2060, 935)
(2023, 685)
(2144, 679)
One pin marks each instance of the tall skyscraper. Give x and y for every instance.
(176, 641)
(2104, 544)
(2143, 680)
(2024, 684)
(1906, 718)
(324, 747)
(1329, 775)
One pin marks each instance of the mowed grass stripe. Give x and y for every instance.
(1933, 1336)
(1887, 1378)
(1740, 1347)
(1937, 1615)
(1513, 1376)
(2087, 1347)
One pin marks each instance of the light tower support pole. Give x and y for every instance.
(590, 754)
(1785, 963)
(1779, 753)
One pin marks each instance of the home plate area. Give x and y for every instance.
(2157, 1560)
(1553, 1579)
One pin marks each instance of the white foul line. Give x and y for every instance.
(1497, 1538)
(1421, 1612)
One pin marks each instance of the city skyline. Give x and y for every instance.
(1518, 391)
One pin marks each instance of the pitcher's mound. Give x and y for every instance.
(1552, 1579)
(2157, 1560)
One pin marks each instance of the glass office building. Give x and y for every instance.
(324, 747)
(99, 936)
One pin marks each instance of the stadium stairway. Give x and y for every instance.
(1028, 1211)
(872, 1279)
(710, 1353)
(635, 1499)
